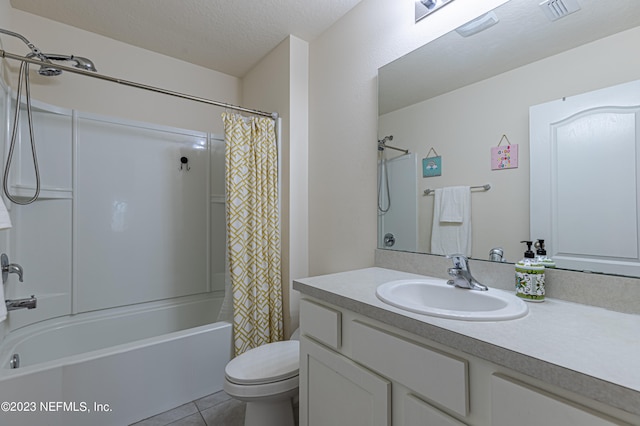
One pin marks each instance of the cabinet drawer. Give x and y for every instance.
(321, 323)
(436, 376)
(514, 402)
(419, 413)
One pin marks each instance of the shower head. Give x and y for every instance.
(46, 68)
(382, 145)
(80, 62)
(84, 63)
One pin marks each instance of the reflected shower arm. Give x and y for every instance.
(406, 151)
(382, 144)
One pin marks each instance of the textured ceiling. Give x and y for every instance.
(229, 36)
(522, 36)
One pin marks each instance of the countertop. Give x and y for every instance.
(591, 351)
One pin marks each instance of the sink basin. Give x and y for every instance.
(436, 298)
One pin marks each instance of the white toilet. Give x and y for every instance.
(266, 378)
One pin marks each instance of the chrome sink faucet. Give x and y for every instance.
(462, 274)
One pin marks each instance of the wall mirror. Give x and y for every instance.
(459, 95)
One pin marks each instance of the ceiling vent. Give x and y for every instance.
(556, 9)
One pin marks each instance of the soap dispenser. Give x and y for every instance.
(541, 255)
(530, 276)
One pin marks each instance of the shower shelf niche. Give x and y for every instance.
(46, 193)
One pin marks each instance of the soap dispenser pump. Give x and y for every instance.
(530, 276)
(541, 255)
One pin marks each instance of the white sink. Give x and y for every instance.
(436, 298)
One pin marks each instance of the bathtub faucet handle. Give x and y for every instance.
(9, 268)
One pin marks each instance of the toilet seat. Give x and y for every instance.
(266, 378)
(270, 363)
(262, 392)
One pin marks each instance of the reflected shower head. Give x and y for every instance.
(382, 142)
(382, 145)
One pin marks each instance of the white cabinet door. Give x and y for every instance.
(336, 391)
(515, 403)
(419, 413)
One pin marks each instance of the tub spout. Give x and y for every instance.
(28, 303)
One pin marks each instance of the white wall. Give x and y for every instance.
(489, 109)
(343, 121)
(123, 61)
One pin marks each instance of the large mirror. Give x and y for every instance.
(459, 96)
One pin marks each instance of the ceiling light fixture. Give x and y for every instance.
(481, 23)
(425, 7)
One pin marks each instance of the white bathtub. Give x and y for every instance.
(115, 367)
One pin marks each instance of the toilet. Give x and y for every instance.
(266, 378)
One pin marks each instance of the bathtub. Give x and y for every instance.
(115, 367)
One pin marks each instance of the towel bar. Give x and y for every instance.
(484, 187)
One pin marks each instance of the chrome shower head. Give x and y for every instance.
(49, 71)
(382, 142)
(83, 63)
(46, 69)
(80, 62)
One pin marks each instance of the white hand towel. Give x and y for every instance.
(453, 235)
(453, 203)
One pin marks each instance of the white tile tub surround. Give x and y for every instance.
(136, 379)
(587, 350)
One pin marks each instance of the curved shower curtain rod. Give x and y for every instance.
(273, 115)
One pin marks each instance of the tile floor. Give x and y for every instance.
(217, 409)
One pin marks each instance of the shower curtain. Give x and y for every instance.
(253, 230)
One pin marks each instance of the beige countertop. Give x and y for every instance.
(591, 351)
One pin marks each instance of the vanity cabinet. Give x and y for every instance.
(336, 390)
(353, 382)
(357, 371)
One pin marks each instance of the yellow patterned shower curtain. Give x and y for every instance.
(253, 230)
